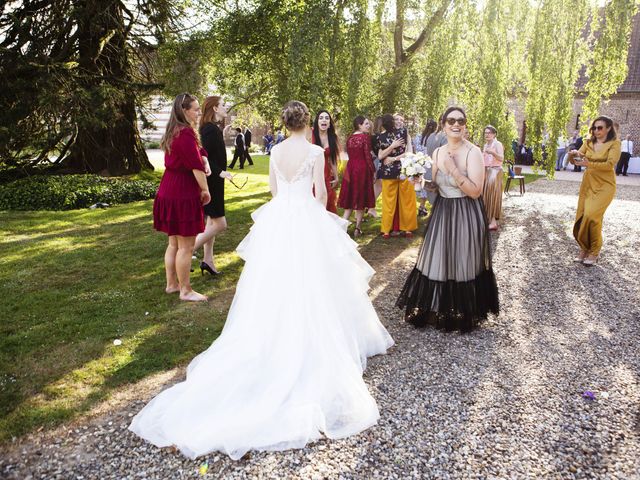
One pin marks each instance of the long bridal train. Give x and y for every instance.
(288, 365)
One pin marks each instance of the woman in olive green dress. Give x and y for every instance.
(599, 154)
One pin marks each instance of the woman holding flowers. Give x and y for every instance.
(452, 283)
(398, 195)
(356, 192)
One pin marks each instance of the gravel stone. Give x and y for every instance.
(504, 401)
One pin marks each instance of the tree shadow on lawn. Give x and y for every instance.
(69, 295)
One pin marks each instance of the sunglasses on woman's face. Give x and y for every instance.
(599, 127)
(460, 121)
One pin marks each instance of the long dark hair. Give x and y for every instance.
(609, 123)
(331, 134)
(359, 120)
(429, 128)
(388, 123)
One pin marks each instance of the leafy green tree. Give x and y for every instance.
(607, 69)
(74, 72)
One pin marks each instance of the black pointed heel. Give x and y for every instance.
(204, 267)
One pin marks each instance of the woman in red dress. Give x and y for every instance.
(177, 209)
(324, 134)
(356, 192)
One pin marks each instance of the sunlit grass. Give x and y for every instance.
(72, 282)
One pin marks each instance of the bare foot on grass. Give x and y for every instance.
(192, 296)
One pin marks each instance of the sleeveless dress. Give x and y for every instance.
(492, 190)
(288, 365)
(452, 283)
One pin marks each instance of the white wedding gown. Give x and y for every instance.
(288, 364)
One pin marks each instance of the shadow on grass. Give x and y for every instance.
(72, 282)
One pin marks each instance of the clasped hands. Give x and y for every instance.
(580, 162)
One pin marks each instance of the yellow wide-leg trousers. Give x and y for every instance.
(399, 195)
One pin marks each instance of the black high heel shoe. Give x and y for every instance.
(205, 267)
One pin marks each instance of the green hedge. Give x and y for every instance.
(68, 192)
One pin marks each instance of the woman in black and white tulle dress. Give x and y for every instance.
(452, 284)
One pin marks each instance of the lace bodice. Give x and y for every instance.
(301, 180)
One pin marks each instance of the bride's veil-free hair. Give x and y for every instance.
(295, 150)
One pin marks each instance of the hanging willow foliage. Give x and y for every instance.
(607, 69)
(555, 56)
(353, 57)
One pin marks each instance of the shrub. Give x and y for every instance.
(68, 192)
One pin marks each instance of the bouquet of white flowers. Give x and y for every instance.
(413, 167)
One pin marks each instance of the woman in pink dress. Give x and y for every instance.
(177, 209)
(356, 192)
(324, 135)
(493, 154)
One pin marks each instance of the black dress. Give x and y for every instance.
(213, 142)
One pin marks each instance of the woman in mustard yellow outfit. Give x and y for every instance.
(599, 154)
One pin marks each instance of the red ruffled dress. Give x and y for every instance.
(177, 209)
(356, 192)
(328, 176)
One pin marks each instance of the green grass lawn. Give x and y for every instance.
(72, 282)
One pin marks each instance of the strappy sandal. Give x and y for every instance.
(580, 258)
(357, 232)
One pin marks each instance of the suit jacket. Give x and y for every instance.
(240, 141)
(247, 138)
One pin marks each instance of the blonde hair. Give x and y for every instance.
(178, 121)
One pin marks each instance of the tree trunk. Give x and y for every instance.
(113, 147)
(402, 56)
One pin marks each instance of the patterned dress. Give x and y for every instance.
(356, 192)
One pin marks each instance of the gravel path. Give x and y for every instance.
(502, 402)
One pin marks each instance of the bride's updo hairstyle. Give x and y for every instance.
(295, 116)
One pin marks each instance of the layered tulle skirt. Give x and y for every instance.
(452, 284)
(288, 365)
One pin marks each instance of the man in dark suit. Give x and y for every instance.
(239, 151)
(247, 144)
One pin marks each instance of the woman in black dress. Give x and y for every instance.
(214, 112)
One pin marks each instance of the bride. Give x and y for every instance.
(288, 365)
